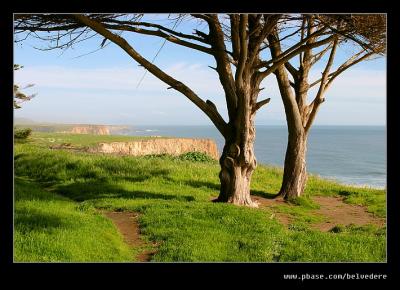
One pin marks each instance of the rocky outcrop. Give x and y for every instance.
(118, 129)
(91, 129)
(173, 146)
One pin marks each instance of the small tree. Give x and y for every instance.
(366, 31)
(20, 97)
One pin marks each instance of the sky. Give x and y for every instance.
(102, 87)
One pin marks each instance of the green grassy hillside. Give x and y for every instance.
(173, 196)
(52, 228)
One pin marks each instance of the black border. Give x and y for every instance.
(199, 273)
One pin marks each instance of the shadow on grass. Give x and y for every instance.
(17, 156)
(37, 221)
(57, 169)
(27, 189)
(146, 175)
(346, 193)
(264, 194)
(81, 191)
(197, 184)
(215, 186)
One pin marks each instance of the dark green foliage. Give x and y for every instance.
(22, 134)
(196, 157)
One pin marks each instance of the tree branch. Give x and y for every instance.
(295, 49)
(269, 24)
(350, 62)
(292, 70)
(322, 88)
(283, 38)
(177, 85)
(259, 104)
(363, 44)
(303, 25)
(345, 66)
(293, 115)
(223, 64)
(161, 34)
(159, 27)
(205, 17)
(235, 36)
(243, 50)
(315, 58)
(281, 60)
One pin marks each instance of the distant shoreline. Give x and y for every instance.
(354, 155)
(27, 122)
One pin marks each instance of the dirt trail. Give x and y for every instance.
(332, 208)
(127, 224)
(342, 213)
(267, 202)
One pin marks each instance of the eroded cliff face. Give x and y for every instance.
(91, 129)
(173, 146)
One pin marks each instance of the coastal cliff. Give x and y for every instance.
(173, 146)
(91, 129)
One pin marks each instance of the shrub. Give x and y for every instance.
(22, 134)
(196, 156)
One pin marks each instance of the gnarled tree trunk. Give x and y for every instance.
(238, 162)
(235, 174)
(295, 170)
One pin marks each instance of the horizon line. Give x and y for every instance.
(182, 125)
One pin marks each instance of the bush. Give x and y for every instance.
(22, 134)
(196, 156)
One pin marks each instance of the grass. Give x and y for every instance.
(173, 195)
(52, 228)
(79, 140)
(364, 243)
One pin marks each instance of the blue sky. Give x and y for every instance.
(102, 87)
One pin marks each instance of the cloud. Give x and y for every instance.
(356, 83)
(121, 79)
(81, 78)
(114, 89)
(202, 79)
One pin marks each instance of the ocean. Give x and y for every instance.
(353, 155)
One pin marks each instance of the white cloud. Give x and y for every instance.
(202, 79)
(357, 83)
(78, 78)
(109, 86)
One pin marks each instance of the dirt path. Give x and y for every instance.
(271, 203)
(332, 208)
(342, 213)
(127, 224)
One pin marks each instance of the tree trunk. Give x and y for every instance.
(295, 171)
(237, 166)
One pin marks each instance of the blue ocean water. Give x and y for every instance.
(349, 154)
